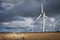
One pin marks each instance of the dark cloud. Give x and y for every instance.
(15, 16)
(30, 8)
(52, 7)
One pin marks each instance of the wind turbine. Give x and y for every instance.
(53, 23)
(43, 18)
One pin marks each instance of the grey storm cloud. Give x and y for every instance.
(32, 8)
(10, 15)
(27, 8)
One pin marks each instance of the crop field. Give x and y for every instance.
(30, 36)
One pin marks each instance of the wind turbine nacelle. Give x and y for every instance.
(43, 13)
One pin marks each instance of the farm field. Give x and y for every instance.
(30, 36)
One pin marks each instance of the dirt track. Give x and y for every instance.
(30, 36)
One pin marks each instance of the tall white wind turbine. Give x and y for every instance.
(43, 18)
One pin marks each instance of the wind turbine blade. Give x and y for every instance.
(42, 7)
(39, 17)
(46, 16)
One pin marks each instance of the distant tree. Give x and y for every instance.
(57, 31)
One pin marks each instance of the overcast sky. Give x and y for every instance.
(13, 12)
